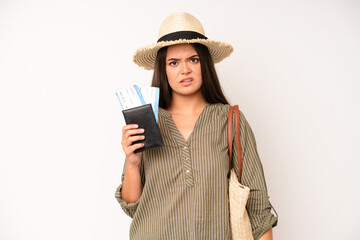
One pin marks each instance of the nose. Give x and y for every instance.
(185, 68)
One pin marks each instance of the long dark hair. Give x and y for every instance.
(210, 89)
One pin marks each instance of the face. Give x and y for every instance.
(183, 70)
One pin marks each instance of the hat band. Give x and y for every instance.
(188, 35)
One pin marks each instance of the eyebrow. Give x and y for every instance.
(177, 59)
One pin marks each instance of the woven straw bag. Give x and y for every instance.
(238, 194)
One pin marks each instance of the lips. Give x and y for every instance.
(186, 80)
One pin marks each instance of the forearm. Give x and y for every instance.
(132, 187)
(268, 235)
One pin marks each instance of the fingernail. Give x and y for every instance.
(141, 130)
(136, 126)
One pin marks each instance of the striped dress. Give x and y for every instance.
(185, 185)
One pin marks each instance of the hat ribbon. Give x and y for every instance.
(188, 35)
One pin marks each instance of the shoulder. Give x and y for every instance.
(221, 109)
(163, 114)
(218, 108)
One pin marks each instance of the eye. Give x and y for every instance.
(194, 60)
(173, 63)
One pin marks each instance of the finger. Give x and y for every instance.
(134, 139)
(129, 126)
(128, 132)
(135, 146)
(127, 143)
(134, 132)
(130, 149)
(127, 140)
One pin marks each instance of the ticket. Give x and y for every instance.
(139, 95)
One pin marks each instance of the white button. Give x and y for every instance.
(185, 147)
(187, 171)
(186, 158)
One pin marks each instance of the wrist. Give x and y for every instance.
(131, 165)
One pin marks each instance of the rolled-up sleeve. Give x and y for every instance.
(129, 208)
(258, 205)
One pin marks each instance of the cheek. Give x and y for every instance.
(197, 70)
(169, 72)
(170, 76)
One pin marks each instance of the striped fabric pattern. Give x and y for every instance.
(185, 185)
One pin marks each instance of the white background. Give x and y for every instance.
(294, 73)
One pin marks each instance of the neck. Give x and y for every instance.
(186, 104)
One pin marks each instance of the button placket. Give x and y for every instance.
(187, 166)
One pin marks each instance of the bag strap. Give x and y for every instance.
(238, 146)
(237, 136)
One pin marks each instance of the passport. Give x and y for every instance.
(144, 117)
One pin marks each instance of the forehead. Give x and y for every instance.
(180, 50)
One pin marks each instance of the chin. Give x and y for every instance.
(188, 93)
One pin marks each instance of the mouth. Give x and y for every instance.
(186, 80)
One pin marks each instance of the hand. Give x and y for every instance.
(127, 140)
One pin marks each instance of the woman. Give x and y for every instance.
(179, 191)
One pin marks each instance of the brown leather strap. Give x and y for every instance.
(230, 136)
(237, 136)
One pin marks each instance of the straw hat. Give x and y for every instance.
(180, 27)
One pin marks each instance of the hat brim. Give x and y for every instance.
(145, 57)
